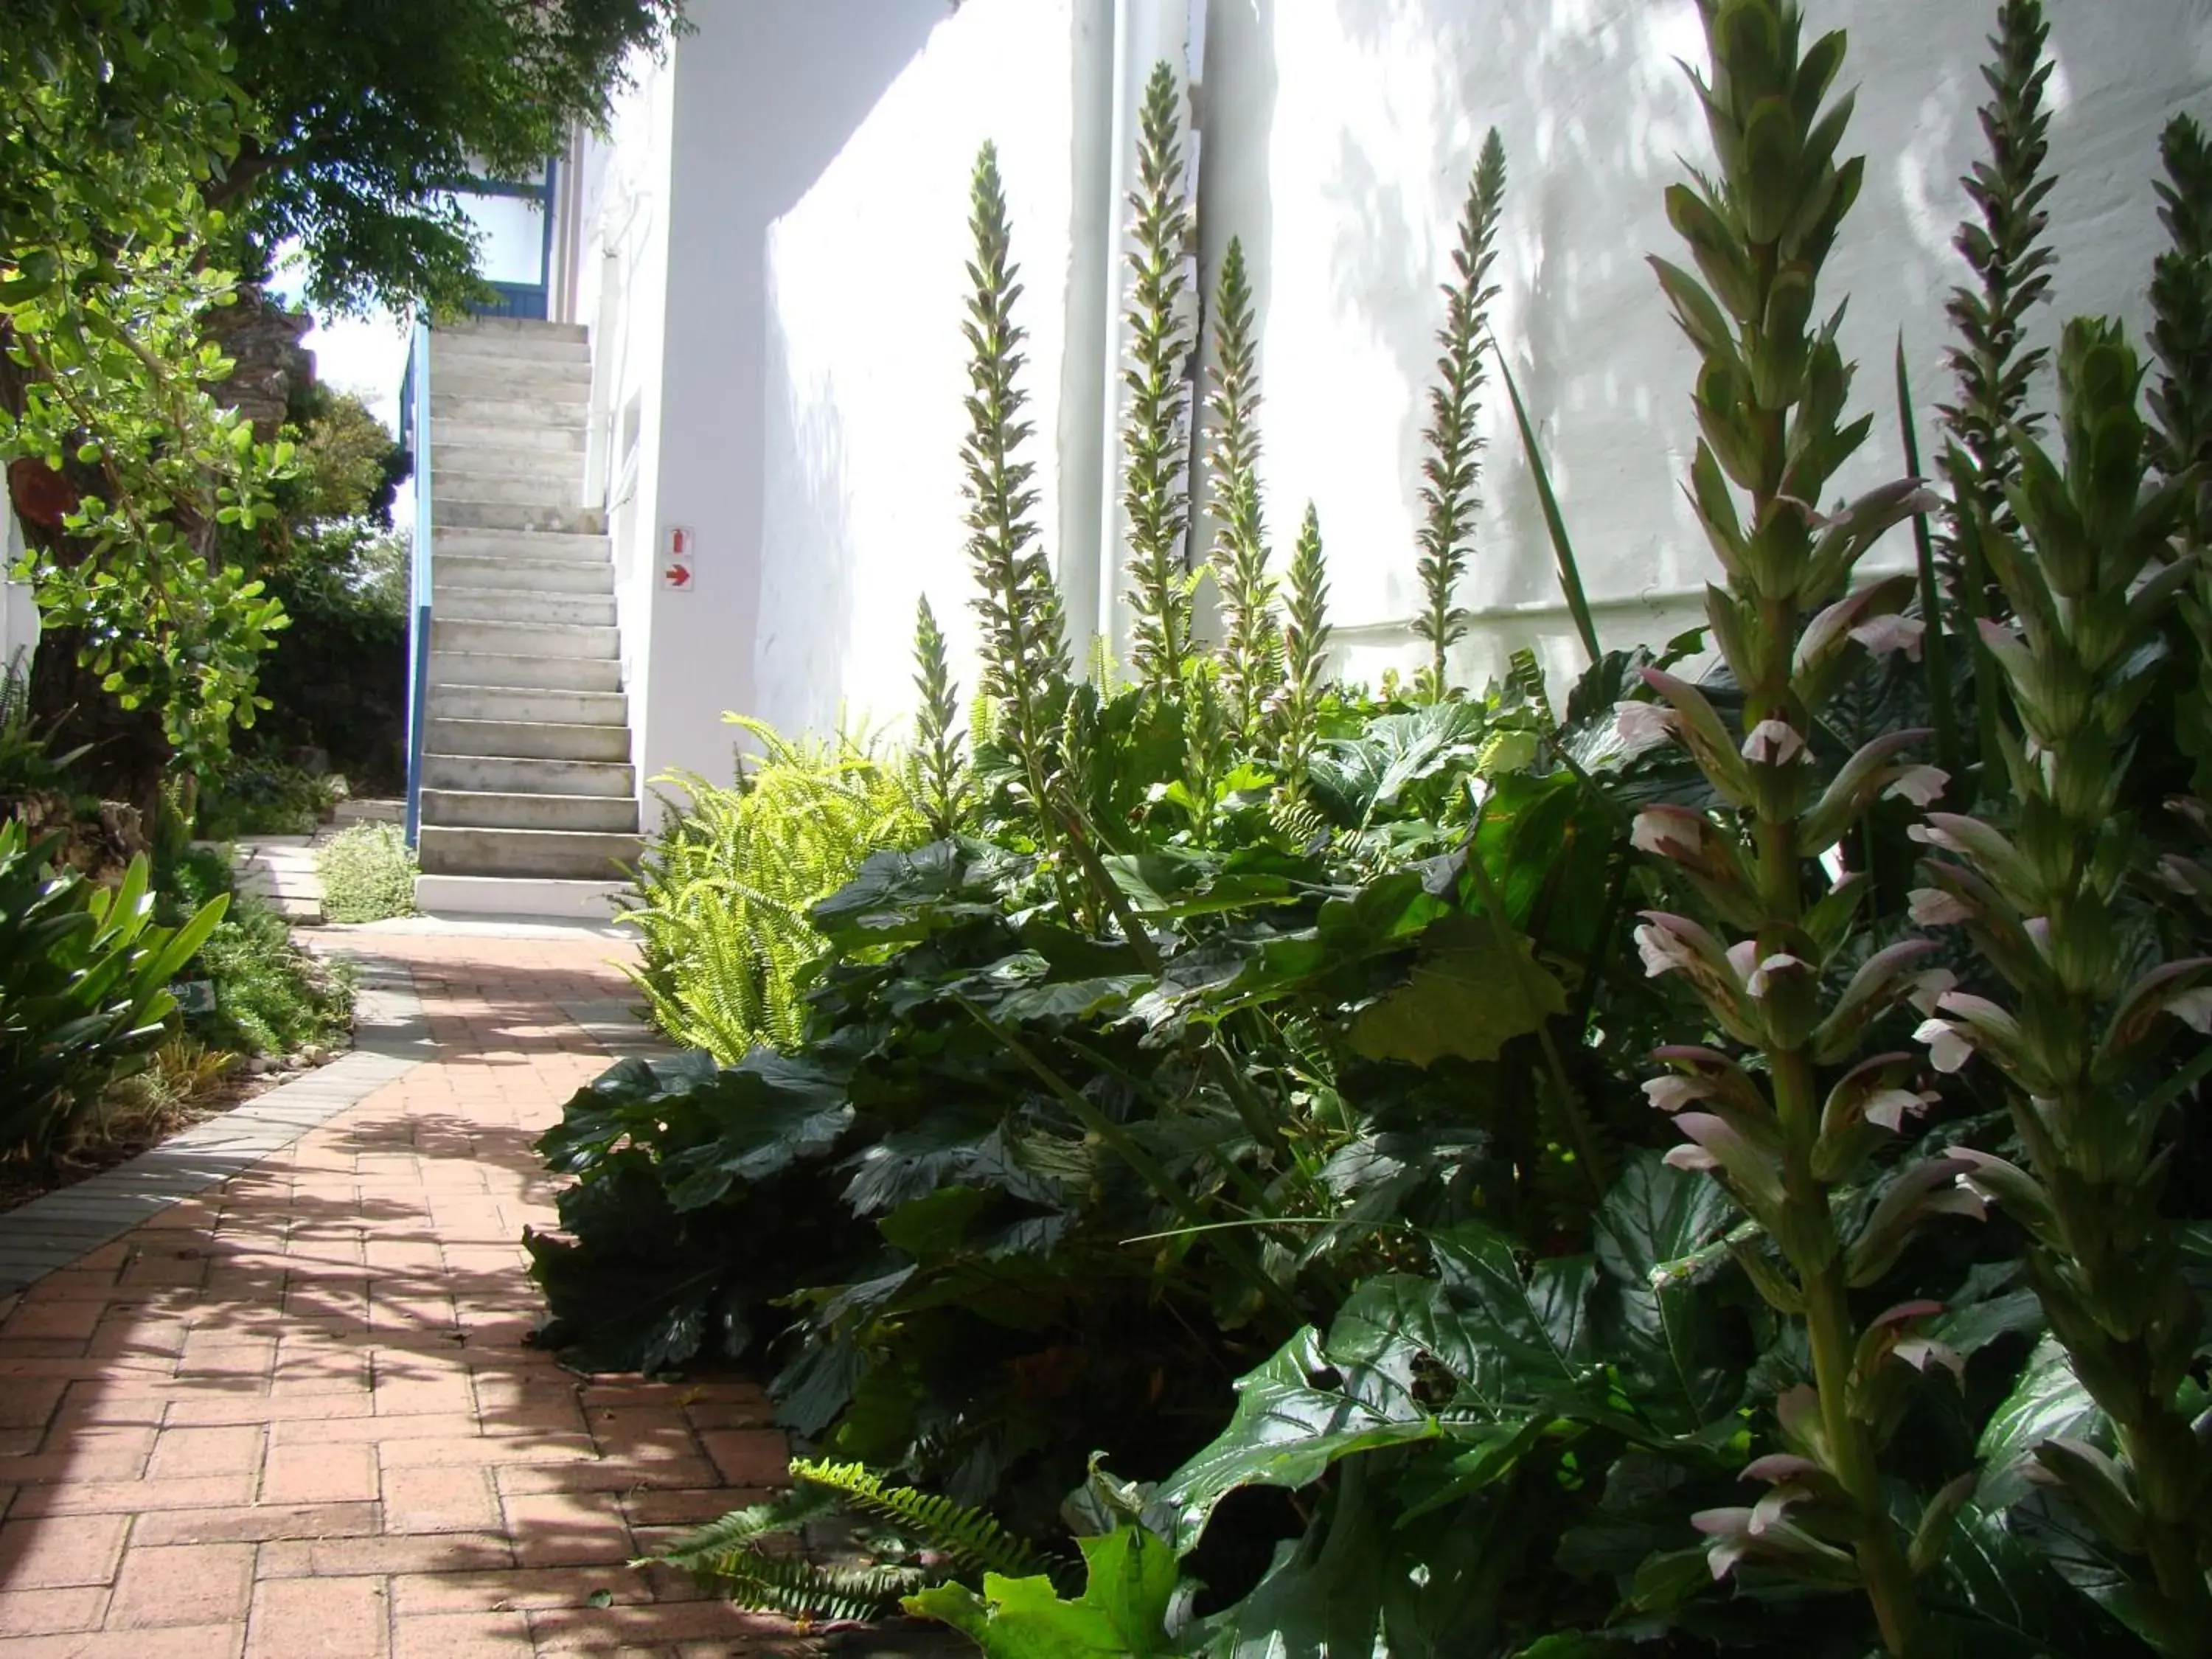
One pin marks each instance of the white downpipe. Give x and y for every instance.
(1144, 32)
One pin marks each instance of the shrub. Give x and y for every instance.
(369, 873)
(84, 978)
(270, 997)
(722, 893)
(267, 798)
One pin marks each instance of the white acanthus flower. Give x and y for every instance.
(1775, 743)
(1923, 786)
(1931, 907)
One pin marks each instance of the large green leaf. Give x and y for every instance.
(2048, 1400)
(1535, 1334)
(1653, 1321)
(1467, 999)
(1123, 1610)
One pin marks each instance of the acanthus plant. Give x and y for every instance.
(1454, 467)
(1795, 1118)
(2085, 1041)
(1156, 431)
(1251, 650)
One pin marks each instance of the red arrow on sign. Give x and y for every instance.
(677, 575)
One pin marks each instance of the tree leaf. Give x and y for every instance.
(1468, 1001)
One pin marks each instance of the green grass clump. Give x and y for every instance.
(367, 873)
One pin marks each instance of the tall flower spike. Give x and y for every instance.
(1155, 431)
(940, 771)
(1305, 651)
(1251, 653)
(1454, 466)
(1024, 663)
(1769, 405)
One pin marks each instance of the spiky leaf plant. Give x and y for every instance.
(1792, 1131)
(1454, 466)
(2086, 1043)
(1305, 652)
(1251, 649)
(940, 770)
(1155, 430)
(1024, 649)
(2181, 402)
(2003, 245)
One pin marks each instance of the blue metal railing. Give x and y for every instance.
(415, 434)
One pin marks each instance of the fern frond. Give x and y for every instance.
(698, 1551)
(1453, 465)
(967, 1537)
(1156, 433)
(803, 1592)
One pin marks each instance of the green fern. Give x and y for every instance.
(1156, 433)
(968, 1538)
(721, 898)
(1454, 466)
(703, 1552)
(804, 1592)
(1251, 650)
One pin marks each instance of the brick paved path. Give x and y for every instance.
(294, 1416)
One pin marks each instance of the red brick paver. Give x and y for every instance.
(296, 1415)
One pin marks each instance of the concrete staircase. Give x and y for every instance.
(529, 799)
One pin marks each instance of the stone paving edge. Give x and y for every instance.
(391, 1038)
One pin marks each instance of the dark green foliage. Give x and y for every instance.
(84, 988)
(363, 113)
(270, 997)
(1156, 431)
(252, 797)
(1454, 466)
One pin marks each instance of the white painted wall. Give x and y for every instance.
(1339, 138)
(785, 305)
(867, 369)
(19, 609)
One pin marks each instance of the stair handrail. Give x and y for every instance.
(415, 397)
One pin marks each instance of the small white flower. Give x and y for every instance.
(1931, 907)
(1743, 957)
(1667, 831)
(1882, 635)
(1927, 988)
(2193, 1008)
(1761, 977)
(1691, 1157)
(1921, 1351)
(1890, 1107)
(1948, 1048)
(1920, 784)
(2038, 929)
(1775, 743)
(1640, 725)
(1662, 951)
(1672, 1092)
(1929, 835)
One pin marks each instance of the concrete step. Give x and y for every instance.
(486, 331)
(471, 809)
(461, 513)
(524, 740)
(509, 703)
(457, 573)
(513, 670)
(499, 413)
(571, 853)
(536, 897)
(477, 542)
(518, 605)
(501, 460)
(511, 377)
(514, 639)
(507, 775)
(554, 440)
(470, 354)
(518, 489)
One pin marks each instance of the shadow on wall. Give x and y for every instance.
(1597, 116)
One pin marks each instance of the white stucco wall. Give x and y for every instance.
(788, 317)
(18, 607)
(1339, 138)
(867, 368)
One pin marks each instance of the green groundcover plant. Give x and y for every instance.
(367, 873)
(1704, 1166)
